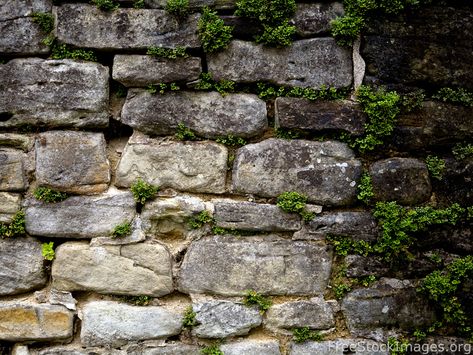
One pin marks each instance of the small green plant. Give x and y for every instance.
(107, 5)
(139, 4)
(294, 202)
(48, 195)
(301, 335)
(213, 33)
(412, 101)
(398, 347)
(170, 53)
(419, 335)
(340, 289)
(62, 51)
(366, 281)
(136, 300)
(206, 83)
(284, 133)
(344, 245)
(47, 249)
(178, 8)
(184, 133)
(15, 228)
(436, 166)
(142, 191)
(462, 151)
(121, 230)
(213, 349)
(45, 21)
(162, 88)
(200, 219)
(277, 36)
(346, 29)
(458, 96)
(365, 188)
(253, 298)
(268, 92)
(231, 141)
(189, 320)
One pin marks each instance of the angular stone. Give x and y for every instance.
(405, 180)
(21, 266)
(307, 63)
(185, 166)
(194, 4)
(260, 347)
(315, 314)
(53, 93)
(208, 114)
(24, 321)
(17, 141)
(115, 324)
(80, 217)
(142, 70)
(19, 349)
(340, 115)
(12, 170)
(254, 216)
(339, 347)
(74, 162)
(9, 205)
(221, 319)
(270, 265)
(326, 172)
(62, 298)
(86, 26)
(314, 19)
(136, 269)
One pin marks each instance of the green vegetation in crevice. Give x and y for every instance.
(365, 189)
(200, 219)
(339, 284)
(398, 346)
(301, 335)
(162, 88)
(139, 4)
(213, 349)
(412, 101)
(45, 21)
(267, 91)
(48, 195)
(253, 298)
(207, 83)
(178, 8)
(106, 5)
(462, 151)
(284, 133)
(231, 141)
(63, 51)
(47, 250)
(16, 228)
(435, 166)
(458, 96)
(184, 133)
(136, 300)
(294, 202)
(121, 230)
(214, 35)
(188, 320)
(143, 191)
(170, 53)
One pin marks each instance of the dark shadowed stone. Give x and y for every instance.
(21, 266)
(361, 266)
(53, 93)
(12, 170)
(458, 238)
(456, 183)
(405, 180)
(315, 19)
(9, 205)
(254, 216)
(337, 115)
(194, 4)
(86, 26)
(247, 346)
(142, 70)
(269, 265)
(208, 114)
(17, 141)
(326, 172)
(243, 27)
(339, 347)
(307, 63)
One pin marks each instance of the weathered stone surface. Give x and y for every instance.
(17, 141)
(9, 205)
(62, 298)
(12, 170)
(417, 47)
(389, 303)
(87, 26)
(456, 183)
(269, 265)
(315, 314)
(115, 324)
(74, 162)
(337, 115)
(194, 4)
(142, 70)
(307, 63)
(361, 266)
(137, 269)
(326, 172)
(260, 347)
(19, 349)
(137, 235)
(458, 238)
(185, 166)
(80, 217)
(23, 321)
(314, 19)
(76, 350)
(254, 216)
(164, 349)
(21, 266)
(405, 180)
(53, 93)
(208, 114)
(339, 347)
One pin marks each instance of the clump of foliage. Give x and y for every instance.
(121, 230)
(139, 4)
(366, 281)
(344, 245)
(170, 53)
(185, 134)
(436, 166)
(198, 220)
(253, 298)
(365, 188)
(397, 347)
(63, 51)
(213, 33)
(15, 228)
(47, 250)
(189, 320)
(162, 88)
(137, 300)
(142, 191)
(462, 151)
(301, 335)
(231, 141)
(284, 133)
(178, 8)
(340, 289)
(45, 21)
(412, 101)
(207, 83)
(458, 96)
(294, 202)
(267, 92)
(48, 195)
(107, 5)
(213, 349)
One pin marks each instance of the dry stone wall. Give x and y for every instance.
(214, 232)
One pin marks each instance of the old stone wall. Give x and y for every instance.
(214, 232)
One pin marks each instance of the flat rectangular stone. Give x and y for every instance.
(143, 70)
(254, 216)
(12, 170)
(9, 204)
(306, 63)
(314, 19)
(270, 265)
(185, 166)
(87, 26)
(53, 93)
(250, 346)
(23, 321)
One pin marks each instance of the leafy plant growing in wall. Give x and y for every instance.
(178, 8)
(48, 195)
(294, 202)
(143, 191)
(253, 298)
(106, 5)
(15, 228)
(47, 250)
(122, 230)
(213, 33)
(301, 335)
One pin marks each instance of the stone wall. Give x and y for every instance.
(66, 125)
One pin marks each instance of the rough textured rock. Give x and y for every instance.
(86, 26)
(361, 266)
(269, 265)
(9, 205)
(315, 314)
(142, 70)
(457, 239)
(208, 114)
(339, 347)
(12, 170)
(23, 321)
(115, 324)
(260, 347)
(326, 172)
(62, 298)
(137, 269)
(194, 4)
(254, 216)
(340, 115)
(405, 180)
(221, 319)
(53, 93)
(80, 217)
(307, 63)
(17, 141)
(314, 19)
(137, 235)
(74, 162)
(185, 166)
(166, 349)
(21, 266)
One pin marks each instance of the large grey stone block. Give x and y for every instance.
(326, 172)
(165, 349)
(307, 63)
(12, 170)
(243, 347)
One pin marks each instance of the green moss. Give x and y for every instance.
(346, 29)
(365, 188)
(63, 51)
(213, 349)
(294, 202)
(121, 230)
(162, 88)
(458, 96)
(412, 101)
(398, 347)
(136, 300)
(253, 298)
(178, 8)
(16, 228)
(340, 289)
(277, 36)
(462, 151)
(436, 166)
(45, 21)
(214, 35)
(207, 83)
(142, 191)
(48, 195)
(170, 53)
(107, 5)
(301, 335)
(138, 4)
(268, 92)
(231, 141)
(185, 134)
(200, 219)
(189, 320)
(47, 250)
